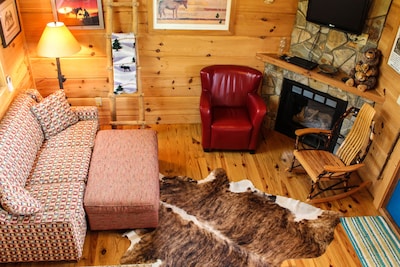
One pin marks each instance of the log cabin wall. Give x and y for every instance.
(14, 61)
(170, 61)
(387, 119)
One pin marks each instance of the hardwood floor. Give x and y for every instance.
(180, 153)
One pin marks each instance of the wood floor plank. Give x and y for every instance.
(181, 153)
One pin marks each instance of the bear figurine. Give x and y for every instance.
(364, 76)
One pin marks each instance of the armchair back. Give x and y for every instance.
(229, 85)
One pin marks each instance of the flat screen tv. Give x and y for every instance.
(344, 15)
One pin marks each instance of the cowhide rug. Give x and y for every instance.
(213, 222)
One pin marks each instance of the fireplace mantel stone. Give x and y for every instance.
(276, 70)
(332, 80)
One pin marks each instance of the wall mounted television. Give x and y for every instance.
(344, 15)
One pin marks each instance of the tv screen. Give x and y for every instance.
(344, 15)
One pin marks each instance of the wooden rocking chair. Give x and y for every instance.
(322, 165)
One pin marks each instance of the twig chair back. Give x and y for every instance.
(354, 146)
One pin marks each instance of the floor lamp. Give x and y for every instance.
(57, 41)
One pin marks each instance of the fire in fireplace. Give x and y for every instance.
(303, 107)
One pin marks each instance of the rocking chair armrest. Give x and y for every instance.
(305, 131)
(350, 168)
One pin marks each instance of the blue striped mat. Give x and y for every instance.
(373, 240)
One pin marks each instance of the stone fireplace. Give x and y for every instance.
(272, 91)
(324, 46)
(303, 107)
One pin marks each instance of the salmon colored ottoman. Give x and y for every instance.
(122, 191)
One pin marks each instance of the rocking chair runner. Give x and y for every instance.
(322, 165)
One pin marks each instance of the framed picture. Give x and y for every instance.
(394, 58)
(79, 14)
(10, 25)
(209, 15)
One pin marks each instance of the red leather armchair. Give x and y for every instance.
(230, 108)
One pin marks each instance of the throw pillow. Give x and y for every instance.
(17, 200)
(54, 114)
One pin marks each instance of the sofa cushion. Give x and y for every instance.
(61, 165)
(81, 133)
(65, 199)
(17, 200)
(54, 114)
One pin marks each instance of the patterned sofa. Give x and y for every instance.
(45, 151)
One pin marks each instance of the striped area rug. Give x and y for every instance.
(373, 240)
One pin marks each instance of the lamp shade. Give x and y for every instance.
(57, 41)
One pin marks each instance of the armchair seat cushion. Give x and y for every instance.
(231, 125)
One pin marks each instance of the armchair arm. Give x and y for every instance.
(305, 131)
(349, 168)
(332, 172)
(300, 133)
(205, 107)
(257, 110)
(206, 118)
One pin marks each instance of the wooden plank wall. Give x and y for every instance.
(15, 62)
(387, 118)
(170, 61)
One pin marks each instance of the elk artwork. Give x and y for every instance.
(125, 68)
(170, 5)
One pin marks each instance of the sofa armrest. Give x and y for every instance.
(47, 236)
(54, 234)
(86, 112)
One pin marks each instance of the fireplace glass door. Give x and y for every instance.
(303, 107)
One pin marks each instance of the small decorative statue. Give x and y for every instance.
(364, 76)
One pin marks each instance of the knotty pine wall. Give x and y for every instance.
(170, 62)
(387, 118)
(15, 63)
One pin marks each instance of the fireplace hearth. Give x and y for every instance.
(303, 107)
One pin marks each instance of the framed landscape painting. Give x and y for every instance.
(208, 15)
(80, 14)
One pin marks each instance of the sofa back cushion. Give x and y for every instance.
(20, 139)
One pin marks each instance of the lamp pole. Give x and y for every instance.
(61, 78)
